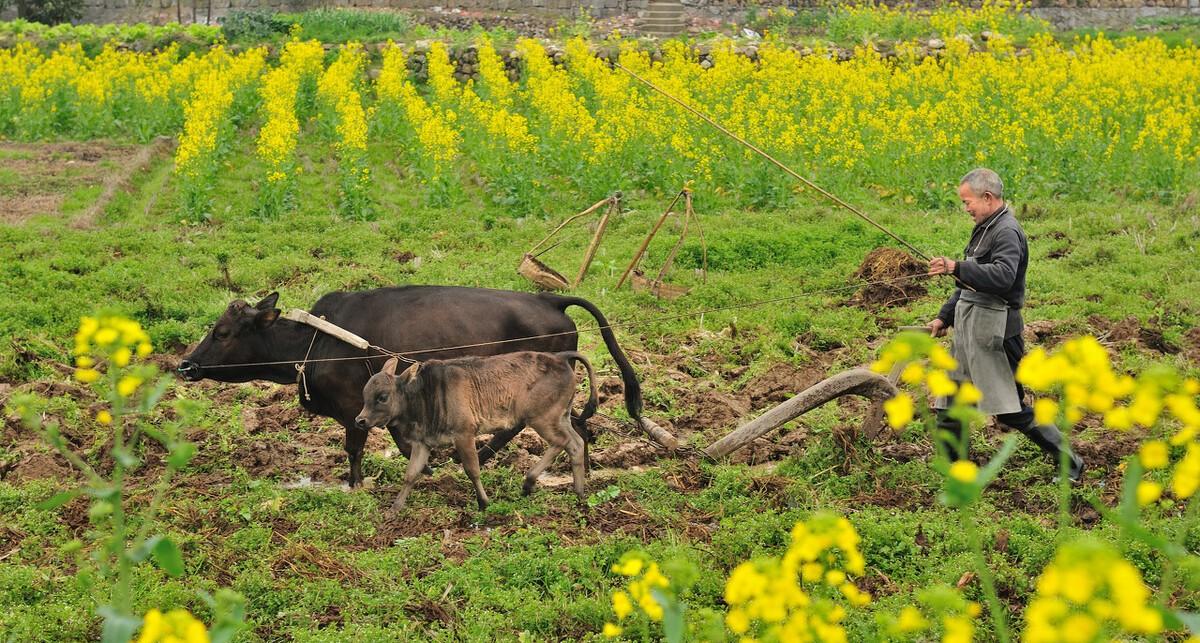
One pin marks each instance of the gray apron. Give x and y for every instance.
(978, 346)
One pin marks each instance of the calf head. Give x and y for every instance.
(386, 395)
(239, 337)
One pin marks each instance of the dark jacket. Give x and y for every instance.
(1001, 254)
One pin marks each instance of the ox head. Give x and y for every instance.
(386, 395)
(238, 337)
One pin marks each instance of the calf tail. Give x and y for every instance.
(593, 402)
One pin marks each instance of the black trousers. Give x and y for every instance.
(956, 445)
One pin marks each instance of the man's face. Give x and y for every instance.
(976, 205)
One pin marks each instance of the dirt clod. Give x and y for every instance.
(899, 269)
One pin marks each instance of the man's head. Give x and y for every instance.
(982, 193)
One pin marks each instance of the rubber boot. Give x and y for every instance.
(1048, 437)
(956, 445)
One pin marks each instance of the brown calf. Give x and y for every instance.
(441, 402)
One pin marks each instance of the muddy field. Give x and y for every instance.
(277, 440)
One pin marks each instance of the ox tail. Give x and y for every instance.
(633, 389)
(593, 402)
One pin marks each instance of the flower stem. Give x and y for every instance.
(1064, 480)
(985, 576)
(1168, 580)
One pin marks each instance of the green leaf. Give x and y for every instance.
(118, 626)
(125, 458)
(167, 555)
(992, 469)
(141, 552)
(1190, 619)
(58, 500)
(181, 454)
(151, 399)
(673, 628)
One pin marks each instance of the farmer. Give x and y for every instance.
(988, 343)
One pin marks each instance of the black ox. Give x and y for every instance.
(254, 343)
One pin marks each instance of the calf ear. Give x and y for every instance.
(389, 367)
(411, 373)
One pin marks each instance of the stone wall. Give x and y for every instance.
(1062, 13)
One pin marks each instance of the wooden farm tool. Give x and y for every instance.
(548, 278)
(657, 286)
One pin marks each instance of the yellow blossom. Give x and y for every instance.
(621, 605)
(964, 471)
(631, 567)
(940, 384)
(899, 410)
(612, 630)
(1045, 411)
(128, 384)
(176, 626)
(104, 417)
(1153, 454)
(1147, 492)
(87, 375)
(968, 394)
(1186, 478)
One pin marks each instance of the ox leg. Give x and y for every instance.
(577, 449)
(465, 444)
(420, 455)
(498, 441)
(355, 441)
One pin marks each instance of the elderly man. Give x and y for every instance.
(986, 310)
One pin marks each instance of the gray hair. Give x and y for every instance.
(982, 180)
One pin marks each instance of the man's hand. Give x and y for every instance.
(937, 327)
(941, 266)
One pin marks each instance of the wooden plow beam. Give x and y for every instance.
(859, 381)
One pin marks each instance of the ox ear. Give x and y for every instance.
(268, 302)
(265, 311)
(389, 367)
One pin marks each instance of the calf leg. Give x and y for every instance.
(405, 446)
(420, 455)
(355, 440)
(577, 449)
(465, 444)
(536, 470)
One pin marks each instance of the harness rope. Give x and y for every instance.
(303, 363)
(403, 356)
(825, 193)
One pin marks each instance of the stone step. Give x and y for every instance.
(671, 27)
(671, 15)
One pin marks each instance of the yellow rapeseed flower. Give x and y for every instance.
(1045, 411)
(964, 471)
(1153, 454)
(128, 385)
(104, 417)
(1186, 479)
(176, 626)
(899, 410)
(1148, 491)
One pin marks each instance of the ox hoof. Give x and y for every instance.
(527, 488)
